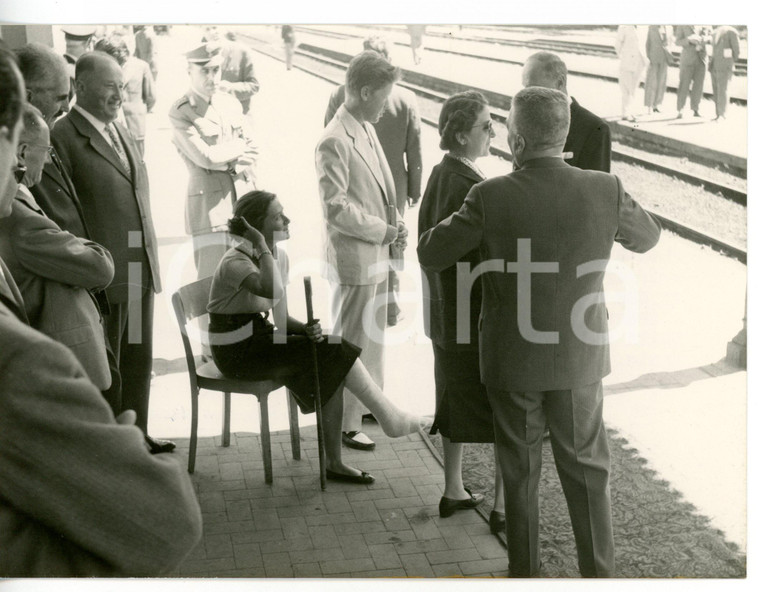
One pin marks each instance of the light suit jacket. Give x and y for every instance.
(115, 204)
(55, 271)
(562, 216)
(630, 46)
(399, 134)
(356, 187)
(210, 137)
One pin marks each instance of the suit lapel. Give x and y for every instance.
(361, 144)
(9, 294)
(98, 142)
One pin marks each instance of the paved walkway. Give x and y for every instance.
(685, 414)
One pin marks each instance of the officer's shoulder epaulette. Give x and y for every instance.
(182, 101)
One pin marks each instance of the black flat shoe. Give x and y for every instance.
(348, 440)
(158, 446)
(448, 506)
(363, 479)
(497, 521)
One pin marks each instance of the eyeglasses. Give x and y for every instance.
(486, 127)
(49, 149)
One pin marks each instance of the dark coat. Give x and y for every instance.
(116, 205)
(588, 139)
(449, 183)
(568, 220)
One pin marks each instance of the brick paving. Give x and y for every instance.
(292, 528)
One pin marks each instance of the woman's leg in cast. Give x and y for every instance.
(394, 422)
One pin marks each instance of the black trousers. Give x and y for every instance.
(129, 328)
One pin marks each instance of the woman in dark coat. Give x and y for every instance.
(462, 410)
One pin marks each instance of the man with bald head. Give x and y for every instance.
(546, 232)
(111, 181)
(588, 144)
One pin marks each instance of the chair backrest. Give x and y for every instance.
(190, 302)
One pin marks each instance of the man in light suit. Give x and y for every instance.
(544, 338)
(111, 181)
(725, 42)
(588, 145)
(54, 269)
(630, 48)
(359, 205)
(398, 130)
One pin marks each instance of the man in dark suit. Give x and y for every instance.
(588, 144)
(546, 232)
(111, 181)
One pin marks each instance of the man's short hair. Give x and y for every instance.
(548, 68)
(89, 61)
(541, 117)
(12, 94)
(378, 44)
(39, 64)
(33, 123)
(370, 69)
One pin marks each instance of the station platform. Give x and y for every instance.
(721, 142)
(671, 394)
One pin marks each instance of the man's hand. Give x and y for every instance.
(403, 233)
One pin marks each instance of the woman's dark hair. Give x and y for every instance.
(253, 206)
(458, 114)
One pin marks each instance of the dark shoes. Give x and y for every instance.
(448, 506)
(363, 479)
(157, 446)
(497, 522)
(348, 440)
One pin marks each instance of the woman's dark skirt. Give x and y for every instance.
(462, 410)
(255, 356)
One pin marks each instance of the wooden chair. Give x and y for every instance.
(189, 303)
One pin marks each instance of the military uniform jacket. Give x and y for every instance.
(210, 137)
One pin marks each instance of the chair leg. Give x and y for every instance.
(295, 431)
(266, 444)
(193, 430)
(226, 420)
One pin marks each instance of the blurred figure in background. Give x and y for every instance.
(79, 40)
(692, 66)
(725, 42)
(238, 76)
(629, 46)
(660, 58)
(415, 41)
(145, 48)
(398, 130)
(289, 40)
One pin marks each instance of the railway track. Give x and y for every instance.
(546, 44)
(498, 114)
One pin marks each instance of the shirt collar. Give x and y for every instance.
(96, 123)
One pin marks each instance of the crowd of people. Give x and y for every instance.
(702, 49)
(513, 292)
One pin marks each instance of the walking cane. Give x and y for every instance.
(317, 396)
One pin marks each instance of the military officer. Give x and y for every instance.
(79, 40)
(214, 139)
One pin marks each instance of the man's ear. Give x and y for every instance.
(364, 93)
(21, 152)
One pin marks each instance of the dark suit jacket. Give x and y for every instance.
(54, 271)
(399, 133)
(80, 495)
(56, 195)
(588, 139)
(10, 296)
(449, 183)
(567, 219)
(116, 206)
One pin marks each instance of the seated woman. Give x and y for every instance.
(248, 283)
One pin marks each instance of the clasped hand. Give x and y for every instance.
(403, 233)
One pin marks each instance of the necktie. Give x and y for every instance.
(118, 148)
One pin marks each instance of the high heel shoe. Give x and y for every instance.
(448, 506)
(497, 521)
